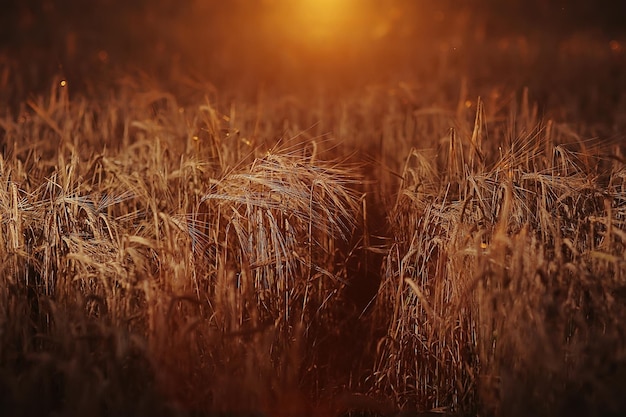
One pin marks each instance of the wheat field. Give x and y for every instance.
(445, 237)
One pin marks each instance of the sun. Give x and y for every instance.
(322, 12)
(323, 20)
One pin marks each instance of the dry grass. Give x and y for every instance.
(139, 222)
(190, 253)
(501, 283)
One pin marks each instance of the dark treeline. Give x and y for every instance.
(27, 19)
(605, 16)
(85, 39)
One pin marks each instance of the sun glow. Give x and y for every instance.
(323, 14)
(323, 20)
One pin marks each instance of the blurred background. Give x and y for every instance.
(246, 42)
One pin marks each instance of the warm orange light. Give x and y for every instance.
(322, 13)
(324, 19)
